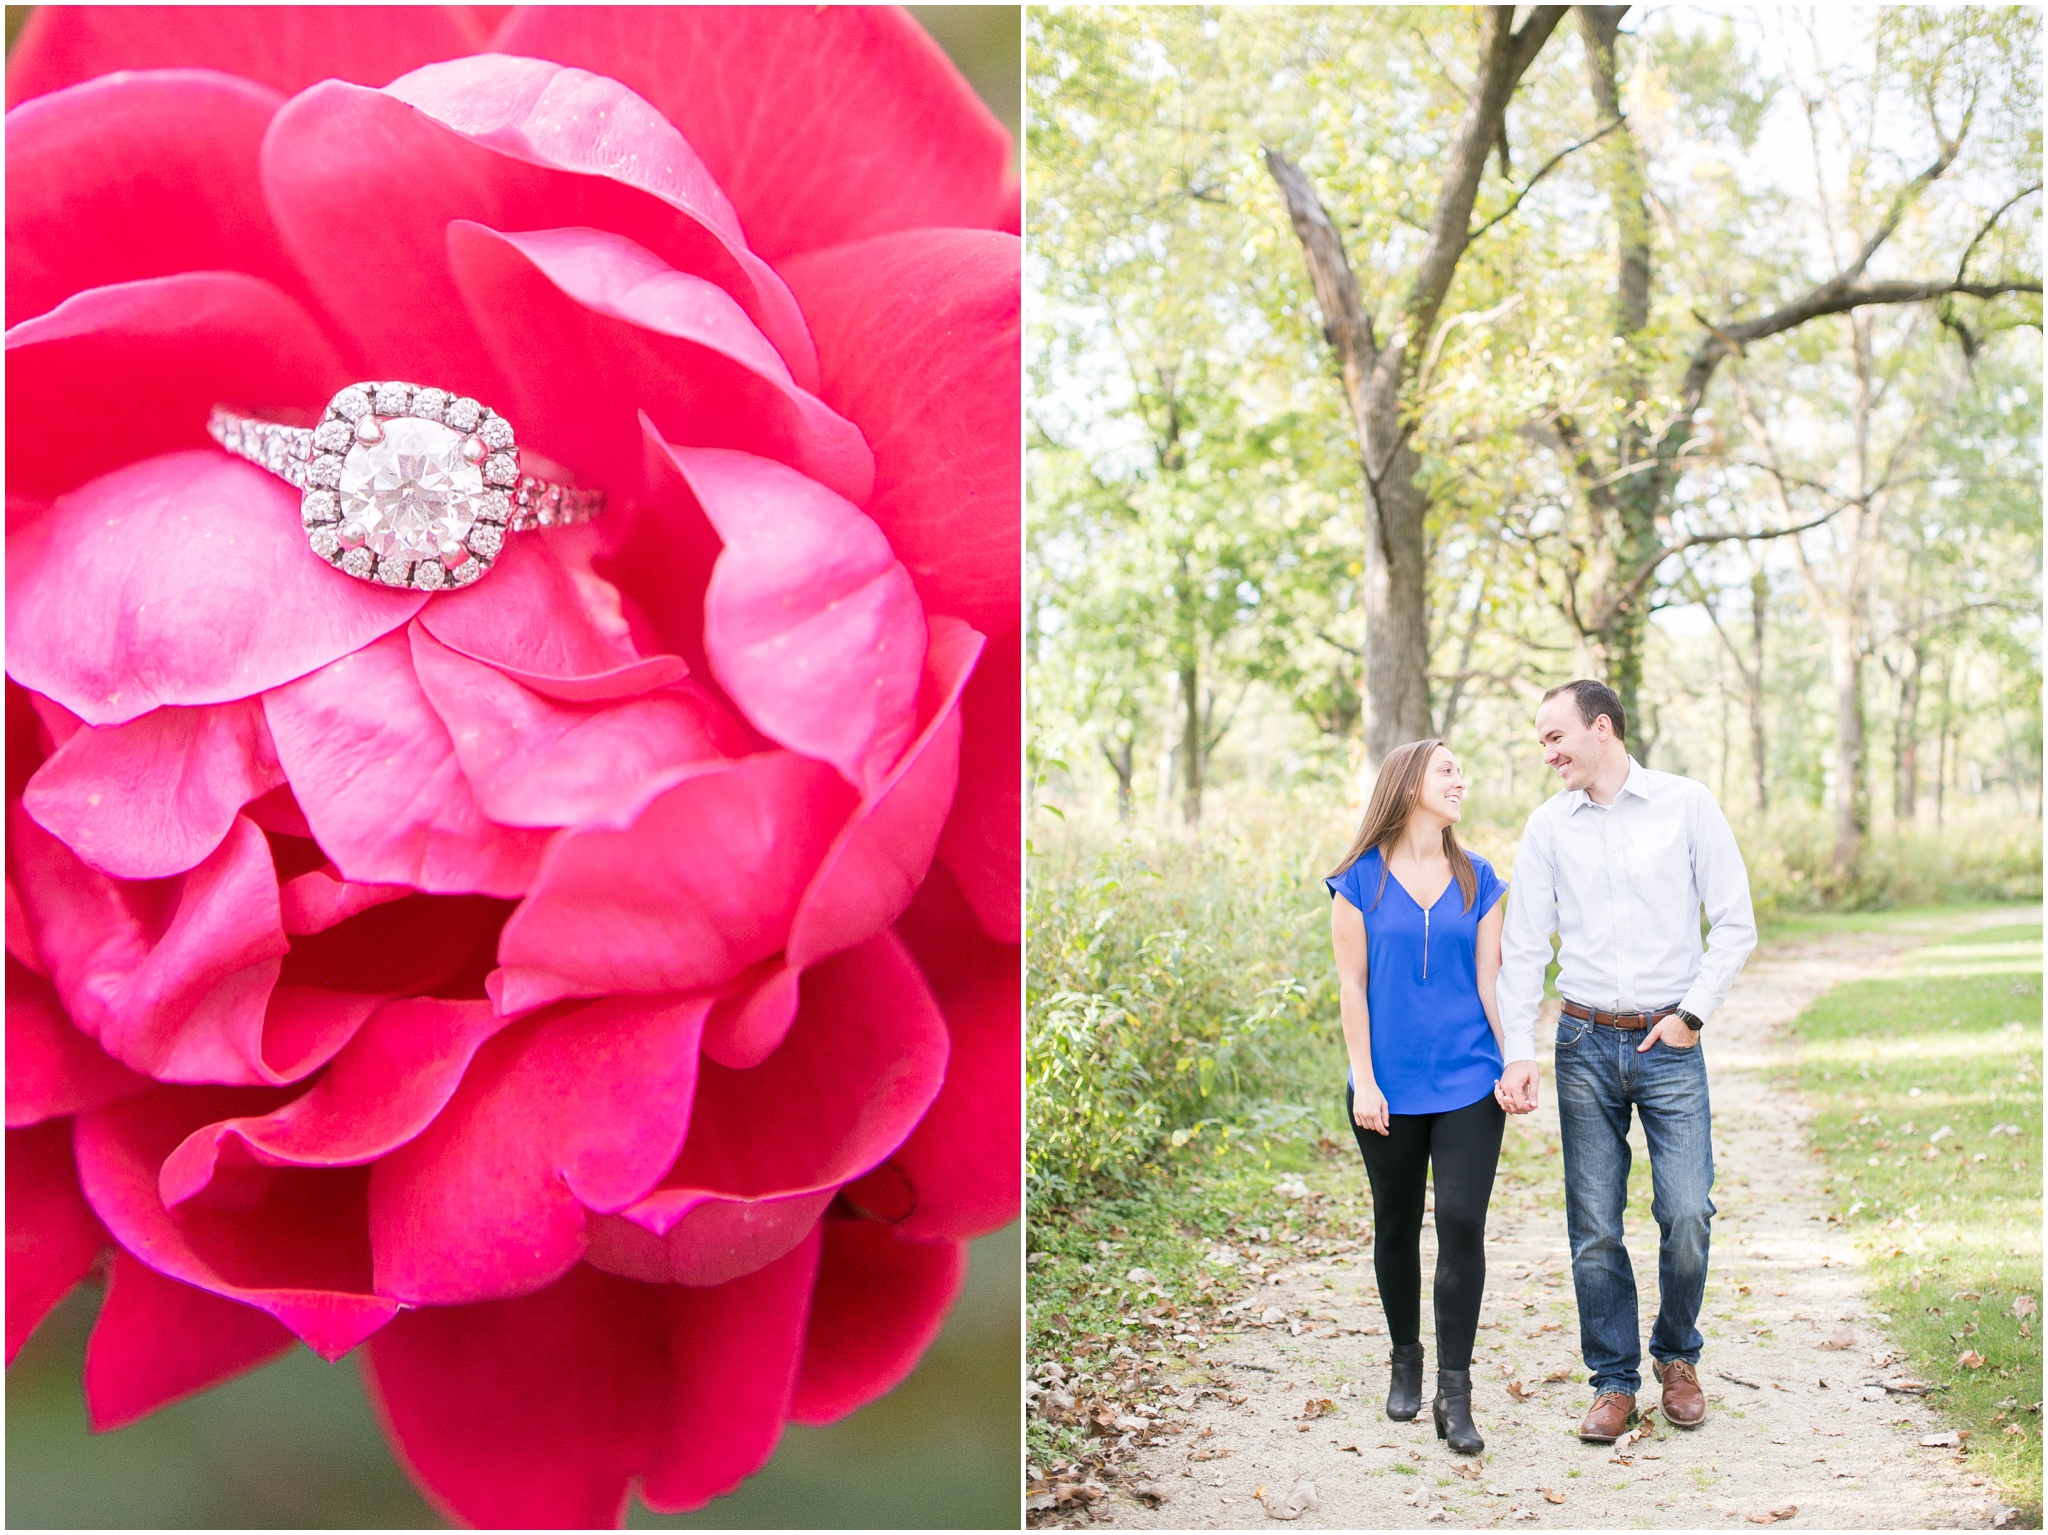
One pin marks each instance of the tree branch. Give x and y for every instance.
(1548, 166)
(1963, 266)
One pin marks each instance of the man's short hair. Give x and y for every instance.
(1594, 699)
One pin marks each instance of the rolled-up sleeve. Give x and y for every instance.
(1525, 939)
(1722, 880)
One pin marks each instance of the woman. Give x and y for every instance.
(1415, 922)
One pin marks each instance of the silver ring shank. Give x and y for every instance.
(286, 450)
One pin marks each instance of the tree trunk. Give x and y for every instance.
(1852, 799)
(1397, 608)
(1191, 744)
(1122, 763)
(1753, 689)
(1906, 741)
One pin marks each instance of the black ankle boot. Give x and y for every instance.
(1452, 1410)
(1404, 1395)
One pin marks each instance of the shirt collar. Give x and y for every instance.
(1637, 783)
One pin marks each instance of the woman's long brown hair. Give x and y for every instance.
(1394, 795)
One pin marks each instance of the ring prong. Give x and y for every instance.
(473, 449)
(367, 430)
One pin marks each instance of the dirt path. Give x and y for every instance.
(1793, 1421)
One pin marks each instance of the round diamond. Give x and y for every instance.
(412, 491)
(486, 539)
(394, 572)
(501, 469)
(332, 436)
(429, 575)
(463, 414)
(429, 403)
(393, 398)
(352, 403)
(497, 433)
(326, 542)
(319, 506)
(326, 472)
(359, 562)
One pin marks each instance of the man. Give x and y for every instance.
(1619, 865)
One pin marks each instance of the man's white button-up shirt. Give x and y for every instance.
(1622, 885)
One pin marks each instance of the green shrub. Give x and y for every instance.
(1174, 992)
(1790, 855)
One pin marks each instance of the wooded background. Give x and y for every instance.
(1389, 365)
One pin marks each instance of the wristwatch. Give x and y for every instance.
(1695, 1024)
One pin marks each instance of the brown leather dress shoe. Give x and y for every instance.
(1608, 1418)
(1685, 1405)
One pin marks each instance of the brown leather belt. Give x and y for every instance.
(1617, 1020)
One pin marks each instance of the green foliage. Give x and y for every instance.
(1176, 997)
(1791, 869)
(1927, 1088)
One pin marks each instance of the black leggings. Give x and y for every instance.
(1465, 1146)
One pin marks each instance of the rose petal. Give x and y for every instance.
(679, 891)
(582, 1108)
(375, 772)
(859, 1068)
(823, 124)
(591, 328)
(548, 620)
(52, 1069)
(867, 876)
(155, 796)
(881, 857)
(536, 762)
(811, 624)
(183, 579)
(313, 902)
(918, 345)
(879, 1303)
(292, 1240)
(137, 175)
(570, 120)
(538, 1412)
(364, 186)
(52, 1235)
(983, 844)
(382, 1090)
(294, 46)
(154, 356)
(157, 1340)
(962, 1162)
(171, 980)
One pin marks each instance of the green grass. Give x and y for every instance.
(1910, 1074)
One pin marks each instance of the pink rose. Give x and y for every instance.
(594, 991)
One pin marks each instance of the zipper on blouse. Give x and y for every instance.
(1425, 943)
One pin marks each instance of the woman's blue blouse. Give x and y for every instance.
(1432, 1050)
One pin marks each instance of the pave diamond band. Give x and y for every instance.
(405, 485)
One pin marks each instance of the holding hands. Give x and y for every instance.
(1516, 1089)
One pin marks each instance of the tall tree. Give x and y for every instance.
(1380, 374)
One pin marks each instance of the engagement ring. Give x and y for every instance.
(406, 486)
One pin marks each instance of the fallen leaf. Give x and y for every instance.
(1298, 1500)
(1316, 1406)
(1038, 1502)
(1556, 1377)
(1350, 1449)
(1773, 1515)
(1467, 1470)
(1907, 1385)
(1832, 1433)
(1970, 1359)
(1550, 1495)
(1841, 1338)
(1151, 1494)
(1948, 1441)
(1211, 1454)
(1519, 1392)
(2023, 1305)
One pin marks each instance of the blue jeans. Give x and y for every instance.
(1600, 1077)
